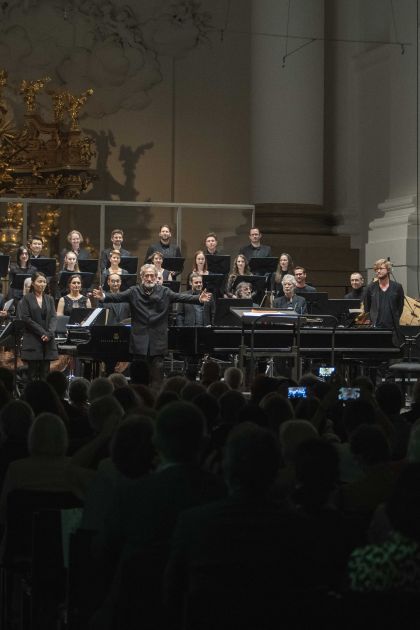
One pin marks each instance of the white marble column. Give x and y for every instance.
(287, 103)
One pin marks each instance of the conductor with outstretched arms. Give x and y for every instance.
(384, 300)
(150, 303)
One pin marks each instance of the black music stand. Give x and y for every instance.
(281, 318)
(263, 266)
(128, 280)
(4, 265)
(47, 266)
(18, 281)
(130, 264)
(223, 315)
(174, 264)
(315, 300)
(89, 266)
(258, 285)
(173, 285)
(86, 278)
(218, 264)
(214, 283)
(340, 308)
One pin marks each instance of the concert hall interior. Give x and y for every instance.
(209, 313)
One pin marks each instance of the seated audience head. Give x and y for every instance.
(78, 391)
(179, 432)
(104, 411)
(306, 408)
(278, 410)
(16, 418)
(364, 383)
(132, 448)
(100, 387)
(234, 377)
(147, 394)
(317, 472)
(210, 372)
(292, 433)
(263, 385)
(42, 397)
(118, 380)
(231, 403)
(191, 390)
(389, 398)
(58, 382)
(5, 395)
(210, 408)
(413, 447)
(217, 389)
(164, 398)
(48, 436)
(370, 446)
(174, 384)
(356, 413)
(251, 460)
(129, 399)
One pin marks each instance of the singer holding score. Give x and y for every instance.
(150, 303)
(290, 301)
(384, 299)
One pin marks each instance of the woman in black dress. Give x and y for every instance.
(74, 297)
(20, 267)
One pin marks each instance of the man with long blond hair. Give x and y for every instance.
(384, 300)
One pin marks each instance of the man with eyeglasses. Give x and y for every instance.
(384, 300)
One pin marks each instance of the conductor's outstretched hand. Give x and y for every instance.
(204, 296)
(98, 293)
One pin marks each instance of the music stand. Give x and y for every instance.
(315, 300)
(128, 280)
(173, 285)
(4, 265)
(340, 308)
(18, 280)
(263, 266)
(86, 278)
(47, 266)
(173, 263)
(223, 316)
(258, 285)
(89, 266)
(78, 315)
(218, 264)
(214, 283)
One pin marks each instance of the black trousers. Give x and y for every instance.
(38, 370)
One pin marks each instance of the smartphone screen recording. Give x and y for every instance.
(296, 392)
(325, 372)
(348, 393)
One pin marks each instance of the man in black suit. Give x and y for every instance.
(195, 314)
(164, 246)
(255, 249)
(149, 306)
(234, 556)
(117, 237)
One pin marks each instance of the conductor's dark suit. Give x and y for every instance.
(149, 316)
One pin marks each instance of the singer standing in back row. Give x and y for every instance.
(384, 300)
(149, 305)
